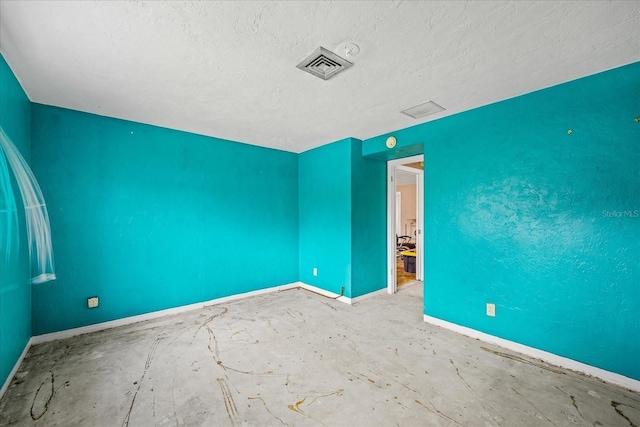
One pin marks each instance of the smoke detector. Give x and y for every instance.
(324, 64)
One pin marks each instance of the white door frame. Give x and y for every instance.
(392, 286)
(398, 217)
(420, 226)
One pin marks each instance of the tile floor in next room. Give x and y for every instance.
(295, 358)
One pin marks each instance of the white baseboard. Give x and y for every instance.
(154, 315)
(554, 359)
(13, 372)
(38, 339)
(382, 291)
(564, 362)
(342, 298)
(324, 292)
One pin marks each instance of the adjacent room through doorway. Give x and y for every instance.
(404, 210)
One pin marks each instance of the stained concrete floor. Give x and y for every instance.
(295, 358)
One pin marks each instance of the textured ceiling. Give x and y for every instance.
(228, 69)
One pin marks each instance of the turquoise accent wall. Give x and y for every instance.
(342, 219)
(368, 222)
(15, 289)
(149, 218)
(540, 222)
(325, 216)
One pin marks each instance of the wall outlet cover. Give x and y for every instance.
(491, 310)
(92, 302)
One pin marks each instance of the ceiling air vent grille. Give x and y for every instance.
(324, 64)
(423, 110)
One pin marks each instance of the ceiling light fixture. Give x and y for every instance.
(424, 109)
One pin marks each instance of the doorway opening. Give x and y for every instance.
(405, 219)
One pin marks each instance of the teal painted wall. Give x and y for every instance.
(342, 219)
(542, 223)
(149, 218)
(325, 216)
(15, 289)
(368, 222)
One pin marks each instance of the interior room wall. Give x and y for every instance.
(408, 209)
(368, 222)
(15, 288)
(532, 204)
(342, 219)
(148, 218)
(325, 216)
(519, 212)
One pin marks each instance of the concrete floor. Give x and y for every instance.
(297, 358)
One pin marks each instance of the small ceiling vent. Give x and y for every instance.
(424, 109)
(324, 64)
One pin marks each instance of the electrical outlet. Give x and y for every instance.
(491, 310)
(92, 302)
(315, 271)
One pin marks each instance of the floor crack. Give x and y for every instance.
(229, 403)
(523, 360)
(267, 408)
(436, 411)
(573, 401)
(296, 407)
(36, 417)
(147, 364)
(619, 411)
(472, 390)
(534, 406)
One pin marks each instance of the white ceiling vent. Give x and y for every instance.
(324, 64)
(424, 109)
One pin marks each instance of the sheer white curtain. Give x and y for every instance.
(9, 239)
(36, 216)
